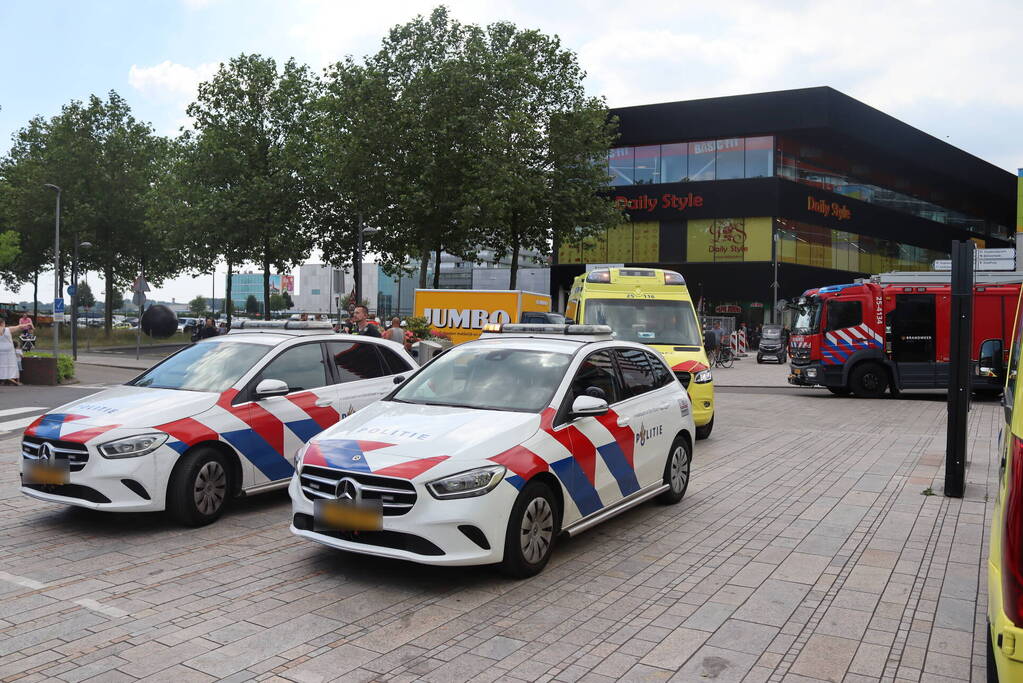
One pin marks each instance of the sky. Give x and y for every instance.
(948, 67)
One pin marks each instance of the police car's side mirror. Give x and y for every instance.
(588, 406)
(271, 387)
(399, 379)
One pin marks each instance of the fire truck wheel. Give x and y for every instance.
(869, 380)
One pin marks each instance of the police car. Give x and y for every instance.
(498, 446)
(220, 418)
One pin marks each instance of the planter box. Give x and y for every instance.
(39, 371)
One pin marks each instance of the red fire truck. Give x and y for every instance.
(865, 338)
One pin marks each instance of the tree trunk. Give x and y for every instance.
(266, 286)
(228, 306)
(424, 261)
(436, 269)
(35, 297)
(513, 274)
(108, 297)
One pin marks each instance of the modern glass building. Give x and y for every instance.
(826, 186)
(244, 284)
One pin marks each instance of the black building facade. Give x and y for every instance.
(812, 180)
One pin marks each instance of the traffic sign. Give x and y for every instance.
(58, 310)
(71, 290)
(140, 285)
(985, 260)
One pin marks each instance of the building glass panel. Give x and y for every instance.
(621, 165)
(723, 240)
(701, 160)
(731, 161)
(759, 157)
(673, 163)
(813, 245)
(647, 165)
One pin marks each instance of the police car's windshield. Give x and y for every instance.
(488, 378)
(209, 366)
(647, 321)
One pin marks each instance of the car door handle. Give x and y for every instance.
(623, 422)
(324, 402)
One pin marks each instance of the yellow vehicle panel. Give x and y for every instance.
(1005, 632)
(653, 307)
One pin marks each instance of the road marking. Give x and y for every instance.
(87, 603)
(12, 425)
(27, 409)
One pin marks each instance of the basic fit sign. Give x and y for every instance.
(461, 314)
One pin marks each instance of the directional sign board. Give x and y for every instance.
(985, 260)
(58, 310)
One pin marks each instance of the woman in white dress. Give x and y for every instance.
(8, 359)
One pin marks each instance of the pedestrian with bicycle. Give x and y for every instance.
(8, 357)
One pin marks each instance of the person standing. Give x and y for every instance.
(208, 330)
(8, 358)
(363, 324)
(25, 320)
(395, 333)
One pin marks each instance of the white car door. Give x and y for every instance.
(647, 410)
(363, 371)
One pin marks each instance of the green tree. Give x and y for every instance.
(252, 143)
(10, 247)
(276, 302)
(106, 163)
(397, 138)
(288, 301)
(542, 174)
(197, 306)
(85, 297)
(251, 304)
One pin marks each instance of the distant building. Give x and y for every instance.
(244, 284)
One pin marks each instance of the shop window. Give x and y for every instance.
(647, 165)
(701, 160)
(731, 159)
(759, 157)
(621, 165)
(673, 163)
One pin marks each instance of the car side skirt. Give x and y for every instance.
(621, 506)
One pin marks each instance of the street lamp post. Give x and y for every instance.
(775, 318)
(74, 297)
(56, 272)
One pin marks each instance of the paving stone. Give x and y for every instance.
(676, 648)
(717, 664)
(825, 657)
(744, 636)
(773, 602)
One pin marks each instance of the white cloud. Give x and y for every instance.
(169, 80)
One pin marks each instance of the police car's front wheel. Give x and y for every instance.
(532, 527)
(198, 488)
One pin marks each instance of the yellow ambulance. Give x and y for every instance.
(653, 307)
(1005, 555)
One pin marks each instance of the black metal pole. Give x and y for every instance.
(357, 265)
(74, 301)
(959, 370)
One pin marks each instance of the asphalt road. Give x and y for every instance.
(19, 406)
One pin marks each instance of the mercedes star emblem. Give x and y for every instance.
(46, 452)
(349, 489)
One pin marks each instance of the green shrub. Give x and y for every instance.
(65, 365)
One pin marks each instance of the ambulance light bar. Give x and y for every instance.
(524, 328)
(284, 325)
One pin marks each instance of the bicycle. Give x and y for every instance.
(724, 358)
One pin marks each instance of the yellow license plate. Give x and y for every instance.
(43, 472)
(348, 516)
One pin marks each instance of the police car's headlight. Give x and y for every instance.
(703, 376)
(467, 484)
(299, 454)
(132, 446)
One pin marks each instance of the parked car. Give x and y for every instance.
(220, 418)
(497, 447)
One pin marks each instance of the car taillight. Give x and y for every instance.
(1012, 538)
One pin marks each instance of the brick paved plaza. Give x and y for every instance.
(805, 550)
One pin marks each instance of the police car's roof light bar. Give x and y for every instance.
(603, 275)
(526, 328)
(284, 325)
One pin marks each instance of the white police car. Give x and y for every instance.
(496, 447)
(219, 418)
